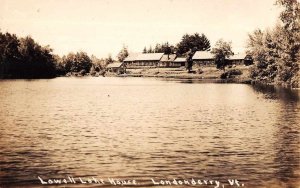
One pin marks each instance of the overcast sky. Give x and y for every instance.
(101, 27)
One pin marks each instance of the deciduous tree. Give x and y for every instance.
(79, 62)
(276, 51)
(222, 51)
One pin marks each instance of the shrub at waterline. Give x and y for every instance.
(231, 73)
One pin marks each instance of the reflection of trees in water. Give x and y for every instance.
(284, 94)
(197, 81)
(286, 146)
(286, 143)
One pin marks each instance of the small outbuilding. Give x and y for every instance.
(116, 67)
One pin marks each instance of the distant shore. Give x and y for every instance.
(209, 74)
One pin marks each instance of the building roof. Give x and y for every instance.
(145, 57)
(203, 55)
(180, 59)
(131, 57)
(165, 57)
(239, 56)
(114, 65)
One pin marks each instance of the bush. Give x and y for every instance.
(200, 71)
(248, 60)
(82, 72)
(231, 73)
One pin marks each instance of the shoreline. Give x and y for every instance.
(189, 77)
(209, 74)
(193, 78)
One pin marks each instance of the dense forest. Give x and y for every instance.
(276, 51)
(25, 58)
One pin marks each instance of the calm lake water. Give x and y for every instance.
(143, 128)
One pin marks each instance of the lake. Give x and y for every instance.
(143, 128)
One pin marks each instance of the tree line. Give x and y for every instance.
(188, 45)
(276, 51)
(189, 42)
(25, 58)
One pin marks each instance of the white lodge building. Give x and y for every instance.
(203, 58)
(237, 59)
(149, 60)
(166, 60)
(178, 62)
(153, 60)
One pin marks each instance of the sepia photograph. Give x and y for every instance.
(150, 93)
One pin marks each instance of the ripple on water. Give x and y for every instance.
(146, 129)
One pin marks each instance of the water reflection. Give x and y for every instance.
(196, 81)
(287, 136)
(272, 92)
(148, 128)
(287, 142)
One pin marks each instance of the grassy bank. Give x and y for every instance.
(206, 73)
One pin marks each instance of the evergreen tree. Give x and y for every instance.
(150, 50)
(145, 50)
(193, 42)
(109, 59)
(122, 54)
